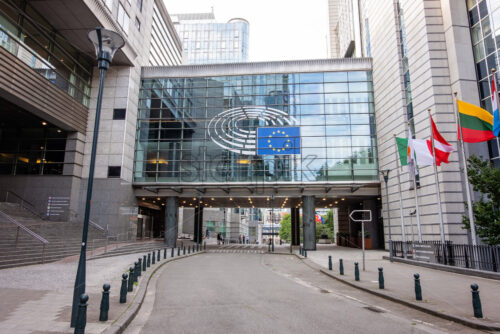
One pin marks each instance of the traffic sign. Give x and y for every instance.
(363, 216)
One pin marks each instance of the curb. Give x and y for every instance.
(451, 269)
(460, 320)
(122, 322)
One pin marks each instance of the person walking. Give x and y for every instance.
(219, 238)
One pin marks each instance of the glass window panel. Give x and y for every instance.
(474, 16)
(471, 3)
(483, 8)
(359, 76)
(486, 26)
(482, 72)
(311, 98)
(360, 97)
(360, 118)
(492, 62)
(313, 142)
(336, 77)
(360, 87)
(361, 140)
(311, 77)
(311, 131)
(313, 109)
(338, 119)
(476, 34)
(489, 45)
(342, 141)
(360, 129)
(341, 87)
(312, 120)
(339, 152)
(311, 88)
(317, 152)
(338, 130)
(336, 98)
(336, 108)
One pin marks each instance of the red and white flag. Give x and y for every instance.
(441, 146)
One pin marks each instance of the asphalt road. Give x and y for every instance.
(260, 293)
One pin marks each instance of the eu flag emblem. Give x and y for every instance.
(278, 141)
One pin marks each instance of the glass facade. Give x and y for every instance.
(484, 21)
(29, 37)
(212, 43)
(180, 138)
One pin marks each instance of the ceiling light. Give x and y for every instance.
(342, 198)
(212, 198)
(154, 201)
(201, 201)
(44, 123)
(230, 198)
(158, 198)
(144, 198)
(336, 202)
(59, 131)
(324, 199)
(194, 198)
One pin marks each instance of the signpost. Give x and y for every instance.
(362, 219)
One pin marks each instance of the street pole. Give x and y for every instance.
(385, 173)
(272, 223)
(105, 49)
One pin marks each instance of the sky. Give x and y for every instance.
(279, 29)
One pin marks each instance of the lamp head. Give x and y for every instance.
(106, 43)
(385, 174)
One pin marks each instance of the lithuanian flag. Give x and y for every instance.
(477, 123)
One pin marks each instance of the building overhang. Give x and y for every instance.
(269, 67)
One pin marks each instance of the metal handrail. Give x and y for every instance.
(32, 210)
(27, 230)
(97, 226)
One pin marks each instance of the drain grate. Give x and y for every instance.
(374, 309)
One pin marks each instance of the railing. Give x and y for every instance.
(480, 257)
(30, 208)
(344, 241)
(27, 230)
(97, 226)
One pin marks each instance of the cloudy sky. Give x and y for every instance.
(279, 29)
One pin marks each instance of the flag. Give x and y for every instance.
(278, 140)
(494, 104)
(418, 151)
(441, 146)
(402, 150)
(477, 123)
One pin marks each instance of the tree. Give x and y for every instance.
(286, 227)
(327, 227)
(485, 178)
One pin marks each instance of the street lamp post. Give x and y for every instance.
(385, 174)
(106, 43)
(272, 223)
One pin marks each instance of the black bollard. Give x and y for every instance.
(356, 271)
(164, 253)
(158, 258)
(136, 271)
(131, 280)
(172, 252)
(330, 265)
(183, 250)
(341, 267)
(193, 248)
(149, 260)
(418, 288)
(81, 317)
(305, 252)
(178, 251)
(476, 301)
(139, 267)
(103, 315)
(205, 245)
(144, 263)
(123, 289)
(381, 278)
(189, 250)
(153, 257)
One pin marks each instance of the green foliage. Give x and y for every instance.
(485, 178)
(286, 227)
(327, 227)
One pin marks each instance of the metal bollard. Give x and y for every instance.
(418, 288)
(144, 263)
(164, 253)
(330, 265)
(172, 252)
(123, 289)
(158, 258)
(476, 301)
(178, 251)
(131, 280)
(193, 248)
(305, 252)
(381, 278)
(189, 250)
(136, 271)
(153, 257)
(103, 315)
(356, 271)
(205, 245)
(139, 267)
(81, 318)
(197, 247)
(149, 260)
(184, 250)
(341, 267)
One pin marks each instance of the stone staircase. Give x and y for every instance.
(19, 248)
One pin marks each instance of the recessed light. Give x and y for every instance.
(59, 131)
(212, 198)
(184, 202)
(144, 198)
(158, 198)
(342, 198)
(44, 123)
(230, 198)
(194, 198)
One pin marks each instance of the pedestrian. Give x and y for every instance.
(247, 240)
(219, 238)
(207, 233)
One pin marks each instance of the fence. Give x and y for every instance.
(458, 255)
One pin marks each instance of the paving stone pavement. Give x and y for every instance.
(443, 291)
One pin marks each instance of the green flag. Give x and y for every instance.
(403, 150)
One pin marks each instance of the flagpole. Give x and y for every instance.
(467, 185)
(434, 163)
(419, 226)
(403, 228)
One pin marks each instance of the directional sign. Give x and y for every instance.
(353, 212)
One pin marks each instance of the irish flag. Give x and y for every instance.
(477, 123)
(411, 150)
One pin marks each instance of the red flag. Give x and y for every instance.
(441, 146)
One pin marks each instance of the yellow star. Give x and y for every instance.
(279, 150)
(269, 140)
(274, 149)
(270, 145)
(270, 136)
(288, 140)
(286, 135)
(274, 133)
(278, 131)
(286, 145)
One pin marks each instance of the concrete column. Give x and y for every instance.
(295, 217)
(373, 227)
(171, 220)
(198, 224)
(309, 223)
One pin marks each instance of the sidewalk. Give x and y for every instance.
(443, 292)
(38, 298)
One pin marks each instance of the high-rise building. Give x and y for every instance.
(422, 52)
(207, 42)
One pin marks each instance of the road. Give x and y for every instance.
(261, 293)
